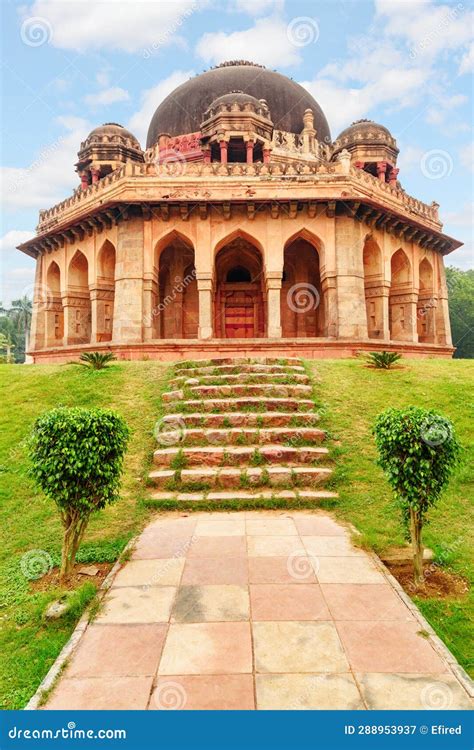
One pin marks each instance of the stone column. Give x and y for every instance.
(443, 323)
(204, 285)
(249, 147)
(37, 329)
(129, 312)
(351, 310)
(393, 176)
(273, 282)
(381, 170)
(223, 146)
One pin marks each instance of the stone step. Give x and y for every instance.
(267, 389)
(232, 455)
(227, 477)
(237, 369)
(242, 496)
(259, 405)
(237, 361)
(240, 419)
(241, 436)
(242, 378)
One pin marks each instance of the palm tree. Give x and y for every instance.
(7, 344)
(21, 312)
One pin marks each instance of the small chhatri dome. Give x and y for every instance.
(366, 131)
(237, 100)
(111, 132)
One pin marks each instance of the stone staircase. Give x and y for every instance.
(239, 430)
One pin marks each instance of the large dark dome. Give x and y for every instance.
(182, 111)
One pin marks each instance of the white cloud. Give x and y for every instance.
(151, 98)
(267, 42)
(258, 7)
(107, 96)
(466, 155)
(17, 270)
(51, 177)
(467, 62)
(82, 25)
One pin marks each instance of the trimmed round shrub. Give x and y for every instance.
(77, 461)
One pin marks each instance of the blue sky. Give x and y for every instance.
(70, 65)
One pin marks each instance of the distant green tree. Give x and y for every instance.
(21, 312)
(461, 310)
(7, 346)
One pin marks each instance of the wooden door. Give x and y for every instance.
(240, 315)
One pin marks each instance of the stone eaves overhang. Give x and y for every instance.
(186, 198)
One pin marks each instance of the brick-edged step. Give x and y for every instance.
(243, 495)
(231, 455)
(259, 405)
(246, 435)
(241, 419)
(223, 369)
(266, 389)
(234, 361)
(182, 381)
(227, 477)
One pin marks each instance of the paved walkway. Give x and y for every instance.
(264, 610)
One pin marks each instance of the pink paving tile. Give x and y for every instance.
(214, 571)
(388, 647)
(318, 526)
(360, 601)
(218, 547)
(287, 602)
(174, 526)
(118, 650)
(153, 547)
(281, 570)
(230, 692)
(207, 648)
(101, 694)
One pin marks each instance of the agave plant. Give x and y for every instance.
(96, 360)
(383, 360)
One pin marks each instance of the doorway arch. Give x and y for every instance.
(239, 300)
(301, 302)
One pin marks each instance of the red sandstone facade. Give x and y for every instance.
(239, 238)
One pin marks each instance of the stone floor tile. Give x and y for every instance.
(162, 572)
(228, 692)
(101, 694)
(137, 604)
(215, 571)
(274, 546)
(289, 569)
(118, 650)
(207, 648)
(331, 546)
(296, 647)
(223, 527)
(359, 601)
(318, 525)
(172, 525)
(157, 547)
(307, 691)
(346, 570)
(388, 647)
(211, 604)
(413, 692)
(287, 602)
(271, 527)
(218, 547)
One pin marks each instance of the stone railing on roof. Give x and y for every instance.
(320, 171)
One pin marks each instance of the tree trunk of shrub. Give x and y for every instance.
(74, 529)
(417, 545)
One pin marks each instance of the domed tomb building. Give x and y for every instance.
(242, 229)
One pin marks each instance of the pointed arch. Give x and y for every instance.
(175, 295)
(54, 308)
(239, 234)
(426, 303)
(401, 313)
(78, 300)
(373, 285)
(105, 291)
(302, 302)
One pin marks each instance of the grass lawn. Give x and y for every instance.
(349, 396)
(30, 522)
